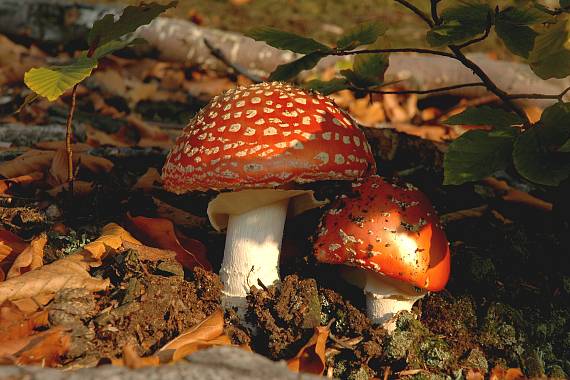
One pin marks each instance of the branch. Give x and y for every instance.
(237, 68)
(421, 92)
(417, 11)
(434, 15)
(478, 39)
(395, 50)
(540, 96)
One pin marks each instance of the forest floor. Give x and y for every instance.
(151, 275)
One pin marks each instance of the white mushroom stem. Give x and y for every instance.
(251, 254)
(385, 297)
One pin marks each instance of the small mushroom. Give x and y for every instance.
(254, 144)
(390, 237)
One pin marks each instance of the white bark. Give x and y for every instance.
(251, 254)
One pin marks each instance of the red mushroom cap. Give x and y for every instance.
(266, 135)
(387, 228)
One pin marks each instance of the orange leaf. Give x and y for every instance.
(112, 236)
(500, 373)
(132, 360)
(15, 324)
(45, 348)
(29, 162)
(208, 333)
(311, 357)
(10, 247)
(148, 181)
(31, 258)
(161, 233)
(26, 179)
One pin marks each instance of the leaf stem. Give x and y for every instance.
(434, 16)
(421, 92)
(540, 96)
(394, 50)
(417, 11)
(68, 134)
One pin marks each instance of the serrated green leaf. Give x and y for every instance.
(363, 34)
(368, 69)
(485, 115)
(292, 69)
(512, 26)
(536, 152)
(462, 22)
(550, 57)
(286, 40)
(476, 155)
(107, 29)
(51, 82)
(327, 87)
(115, 45)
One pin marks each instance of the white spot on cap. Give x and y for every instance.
(268, 110)
(260, 122)
(281, 145)
(346, 139)
(252, 167)
(227, 106)
(327, 136)
(306, 120)
(226, 116)
(356, 140)
(301, 100)
(240, 103)
(255, 100)
(235, 127)
(270, 131)
(339, 158)
(237, 114)
(296, 144)
(250, 113)
(249, 131)
(322, 156)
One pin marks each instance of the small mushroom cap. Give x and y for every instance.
(266, 135)
(388, 228)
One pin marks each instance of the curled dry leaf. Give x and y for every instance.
(46, 347)
(10, 247)
(511, 194)
(15, 324)
(208, 333)
(500, 373)
(31, 258)
(31, 161)
(112, 236)
(148, 181)
(150, 136)
(150, 253)
(26, 179)
(132, 359)
(160, 233)
(69, 272)
(311, 357)
(179, 217)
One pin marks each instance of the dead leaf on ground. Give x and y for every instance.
(47, 347)
(70, 272)
(206, 87)
(10, 247)
(366, 112)
(132, 360)
(57, 145)
(311, 357)
(31, 258)
(160, 232)
(98, 138)
(26, 179)
(208, 333)
(511, 194)
(179, 217)
(150, 253)
(15, 324)
(80, 189)
(149, 181)
(29, 162)
(112, 236)
(150, 136)
(500, 373)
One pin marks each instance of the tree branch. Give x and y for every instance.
(540, 96)
(417, 11)
(237, 68)
(395, 50)
(421, 92)
(478, 39)
(434, 16)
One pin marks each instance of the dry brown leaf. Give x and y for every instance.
(311, 357)
(148, 181)
(208, 333)
(80, 188)
(500, 373)
(510, 194)
(15, 60)
(31, 161)
(35, 303)
(31, 258)
(395, 111)
(111, 81)
(26, 179)
(147, 131)
(132, 360)
(112, 236)
(150, 253)
(179, 217)
(474, 374)
(46, 348)
(206, 87)
(57, 145)
(58, 168)
(367, 113)
(97, 138)
(15, 324)
(160, 232)
(94, 164)
(10, 247)
(69, 272)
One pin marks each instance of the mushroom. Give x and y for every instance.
(390, 237)
(254, 144)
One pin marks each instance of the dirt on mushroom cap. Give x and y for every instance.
(266, 135)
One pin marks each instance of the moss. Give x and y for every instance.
(476, 360)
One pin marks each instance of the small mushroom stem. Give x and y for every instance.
(251, 254)
(385, 297)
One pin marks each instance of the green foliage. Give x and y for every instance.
(51, 82)
(107, 29)
(292, 69)
(104, 38)
(462, 22)
(550, 57)
(362, 34)
(485, 115)
(368, 69)
(328, 87)
(287, 41)
(512, 25)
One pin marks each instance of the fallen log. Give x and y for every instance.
(180, 40)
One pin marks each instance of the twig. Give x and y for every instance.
(417, 11)
(540, 96)
(434, 16)
(395, 50)
(237, 68)
(421, 92)
(68, 134)
(478, 39)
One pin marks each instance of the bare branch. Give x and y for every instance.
(237, 68)
(395, 50)
(421, 92)
(417, 11)
(434, 16)
(540, 96)
(478, 39)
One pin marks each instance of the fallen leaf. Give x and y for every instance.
(132, 360)
(311, 357)
(46, 348)
(15, 324)
(366, 112)
(10, 247)
(149, 134)
(57, 145)
(474, 374)
(500, 373)
(26, 179)
(70, 272)
(97, 138)
(179, 217)
(206, 87)
(161, 233)
(148, 181)
(112, 236)
(31, 258)
(29, 162)
(58, 169)
(150, 253)
(208, 333)
(80, 188)
(511, 194)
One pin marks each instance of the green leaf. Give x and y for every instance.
(107, 29)
(476, 155)
(536, 153)
(292, 69)
(113, 46)
(327, 87)
(50, 82)
(512, 26)
(287, 41)
(564, 3)
(485, 115)
(368, 69)
(362, 34)
(565, 148)
(462, 22)
(550, 57)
